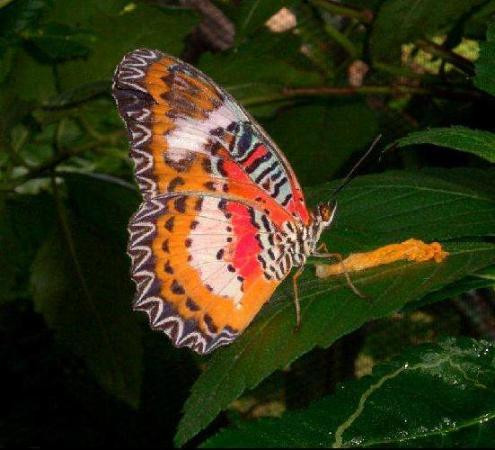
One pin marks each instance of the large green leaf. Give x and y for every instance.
(329, 310)
(431, 396)
(481, 279)
(117, 201)
(429, 204)
(485, 65)
(374, 211)
(478, 142)
(402, 21)
(81, 285)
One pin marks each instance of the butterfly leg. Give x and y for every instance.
(296, 297)
(340, 258)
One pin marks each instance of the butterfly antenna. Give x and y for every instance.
(350, 176)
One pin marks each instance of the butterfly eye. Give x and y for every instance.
(325, 212)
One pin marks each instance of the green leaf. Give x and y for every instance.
(485, 65)
(59, 42)
(119, 29)
(374, 210)
(19, 239)
(328, 131)
(20, 79)
(487, 274)
(477, 142)
(80, 281)
(20, 15)
(117, 201)
(79, 94)
(399, 22)
(16, 19)
(431, 396)
(482, 279)
(476, 24)
(330, 310)
(6, 59)
(428, 204)
(257, 71)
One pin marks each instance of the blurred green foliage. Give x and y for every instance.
(323, 77)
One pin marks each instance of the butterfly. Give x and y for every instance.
(223, 219)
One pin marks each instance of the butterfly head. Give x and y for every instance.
(322, 218)
(325, 213)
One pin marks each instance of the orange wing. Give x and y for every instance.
(204, 266)
(189, 135)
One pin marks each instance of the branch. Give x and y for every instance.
(46, 167)
(347, 91)
(361, 14)
(447, 55)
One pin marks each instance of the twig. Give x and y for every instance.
(447, 55)
(47, 166)
(347, 91)
(361, 14)
(341, 39)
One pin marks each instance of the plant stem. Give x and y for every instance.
(49, 165)
(341, 39)
(447, 55)
(345, 91)
(340, 9)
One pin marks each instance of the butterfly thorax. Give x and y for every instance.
(291, 246)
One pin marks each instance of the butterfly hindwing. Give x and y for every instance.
(203, 267)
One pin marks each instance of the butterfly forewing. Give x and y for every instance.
(216, 191)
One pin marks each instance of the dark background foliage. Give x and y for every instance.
(324, 78)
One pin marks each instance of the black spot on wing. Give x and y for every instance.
(192, 305)
(244, 142)
(287, 199)
(169, 224)
(168, 268)
(276, 188)
(257, 162)
(177, 288)
(180, 204)
(209, 323)
(266, 172)
(266, 223)
(174, 183)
